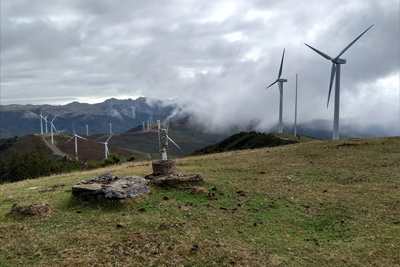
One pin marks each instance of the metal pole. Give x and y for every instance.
(280, 129)
(337, 101)
(295, 111)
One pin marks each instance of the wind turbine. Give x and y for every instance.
(87, 129)
(295, 111)
(76, 142)
(51, 128)
(106, 147)
(41, 123)
(45, 119)
(110, 128)
(163, 141)
(336, 62)
(280, 82)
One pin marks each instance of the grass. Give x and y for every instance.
(321, 203)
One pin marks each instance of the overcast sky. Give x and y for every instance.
(213, 57)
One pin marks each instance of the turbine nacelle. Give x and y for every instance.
(282, 80)
(339, 61)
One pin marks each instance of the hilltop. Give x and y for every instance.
(320, 203)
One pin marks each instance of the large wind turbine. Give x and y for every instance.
(336, 62)
(280, 82)
(76, 142)
(106, 147)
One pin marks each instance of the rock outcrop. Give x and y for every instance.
(111, 186)
(173, 179)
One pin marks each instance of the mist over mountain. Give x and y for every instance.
(129, 115)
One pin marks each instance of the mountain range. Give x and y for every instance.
(128, 116)
(20, 120)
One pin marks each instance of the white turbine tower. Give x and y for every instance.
(336, 62)
(148, 125)
(144, 127)
(110, 128)
(87, 129)
(295, 111)
(107, 152)
(45, 120)
(280, 82)
(76, 142)
(51, 128)
(41, 122)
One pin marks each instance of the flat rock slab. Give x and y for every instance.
(111, 186)
(173, 179)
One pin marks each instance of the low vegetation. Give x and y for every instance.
(322, 203)
(37, 162)
(243, 140)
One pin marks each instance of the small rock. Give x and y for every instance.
(78, 211)
(223, 208)
(263, 172)
(121, 225)
(214, 188)
(171, 248)
(142, 209)
(166, 198)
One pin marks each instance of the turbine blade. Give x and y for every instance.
(80, 137)
(109, 137)
(319, 52)
(355, 40)
(333, 72)
(272, 84)
(70, 139)
(173, 142)
(280, 69)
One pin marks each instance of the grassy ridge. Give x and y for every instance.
(243, 140)
(310, 204)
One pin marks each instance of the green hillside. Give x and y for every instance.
(244, 140)
(322, 203)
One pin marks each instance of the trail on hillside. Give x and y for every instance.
(52, 147)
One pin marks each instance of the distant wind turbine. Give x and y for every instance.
(87, 129)
(76, 142)
(280, 82)
(336, 62)
(110, 128)
(45, 119)
(107, 152)
(144, 127)
(51, 128)
(41, 122)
